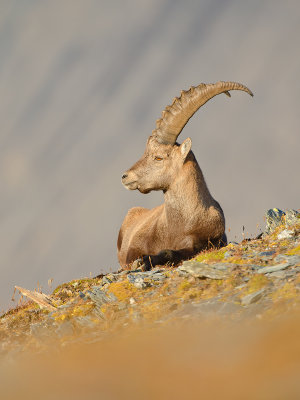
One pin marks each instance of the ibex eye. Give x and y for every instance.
(158, 158)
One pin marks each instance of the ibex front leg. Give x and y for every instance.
(175, 257)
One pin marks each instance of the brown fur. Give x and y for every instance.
(189, 217)
(190, 220)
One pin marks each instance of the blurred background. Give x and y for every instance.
(82, 83)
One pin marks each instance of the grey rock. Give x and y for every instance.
(106, 280)
(223, 266)
(285, 234)
(138, 280)
(282, 274)
(274, 268)
(253, 297)
(281, 257)
(228, 254)
(158, 277)
(200, 270)
(254, 267)
(291, 217)
(290, 261)
(293, 260)
(99, 297)
(274, 218)
(266, 253)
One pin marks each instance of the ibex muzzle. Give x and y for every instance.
(190, 220)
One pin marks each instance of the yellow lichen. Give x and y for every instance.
(239, 260)
(286, 292)
(124, 290)
(256, 283)
(183, 286)
(211, 255)
(294, 251)
(82, 309)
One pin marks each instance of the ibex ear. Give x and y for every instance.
(185, 147)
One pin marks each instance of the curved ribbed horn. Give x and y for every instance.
(175, 116)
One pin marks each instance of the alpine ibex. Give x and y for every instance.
(190, 220)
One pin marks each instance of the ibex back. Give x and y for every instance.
(190, 220)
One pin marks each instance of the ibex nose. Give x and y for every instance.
(124, 176)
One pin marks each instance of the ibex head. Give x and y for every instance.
(163, 157)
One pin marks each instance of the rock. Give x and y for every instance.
(158, 277)
(200, 270)
(253, 297)
(138, 281)
(266, 253)
(274, 268)
(228, 254)
(106, 280)
(282, 274)
(274, 218)
(223, 266)
(292, 217)
(292, 260)
(99, 297)
(286, 234)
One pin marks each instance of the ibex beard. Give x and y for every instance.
(190, 219)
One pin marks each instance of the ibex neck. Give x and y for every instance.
(188, 194)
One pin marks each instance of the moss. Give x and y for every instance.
(124, 290)
(212, 255)
(82, 309)
(183, 286)
(294, 251)
(231, 282)
(256, 283)
(286, 292)
(25, 316)
(239, 260)
(77, 285)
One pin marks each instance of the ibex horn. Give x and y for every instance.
(175, 116)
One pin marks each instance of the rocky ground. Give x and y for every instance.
(255, 280)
